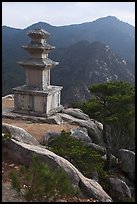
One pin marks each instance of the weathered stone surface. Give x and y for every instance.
(94, 176)
(80, 133)
(48, 137)
(23, 153)
(55, 119)
(119, 189)
(97, 147)
(9, 194)
(127, 162)
(19, 134)
(93, 131)
(9, 96)
(92, 188)
(77, 113)
(98, 124)
(94, 128)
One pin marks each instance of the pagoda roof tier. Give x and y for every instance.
(38, 47)
(41, 63)
(38, 33)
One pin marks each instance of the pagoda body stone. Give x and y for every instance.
(37, 96)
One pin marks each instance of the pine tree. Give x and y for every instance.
(113, 104)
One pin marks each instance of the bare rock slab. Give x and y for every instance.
(23, 153)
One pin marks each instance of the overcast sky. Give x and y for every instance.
(24, 14)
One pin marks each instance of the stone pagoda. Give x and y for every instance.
(37, 97)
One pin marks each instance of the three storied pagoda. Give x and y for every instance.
(37, 96)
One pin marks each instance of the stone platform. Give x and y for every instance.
(37, 102)
(8, 112)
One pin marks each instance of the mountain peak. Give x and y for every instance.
(39, 25)
(111, 17)
(107, 19)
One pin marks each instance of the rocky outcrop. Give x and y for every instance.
(23, 153)
(93, 127)
(71, 115)
(48, 137)
(77, 113)
(18, 134)
(127, 162)
(96, 147)
(55, 119)
(81, 134)
(119, 190)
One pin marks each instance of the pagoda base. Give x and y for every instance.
(37, 102)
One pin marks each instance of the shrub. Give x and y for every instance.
(15, 181)
(81, 156)
(42, 183)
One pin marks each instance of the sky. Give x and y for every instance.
(24, 14)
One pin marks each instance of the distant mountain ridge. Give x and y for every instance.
(84, 64)
(77, 48)
(120, 36)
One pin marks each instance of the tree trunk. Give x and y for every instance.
(106, 135)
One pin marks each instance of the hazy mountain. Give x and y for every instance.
(84, 64)
(8, 32)
(79, 61)
(120, 36)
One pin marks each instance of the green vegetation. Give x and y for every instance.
(127, 200)
(113, 104)
(81, 156)
(7, 136)
(15, 181)
(42, 183)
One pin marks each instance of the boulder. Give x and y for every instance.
(81, 134)
(119, 190)
(94, 132)
(55, 119)
(96, 147)
(127, 162)
(93, 128)
(77, 113)
(48, 137)
(23, 153)
(18, 134)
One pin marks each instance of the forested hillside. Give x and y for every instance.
(91, 52)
